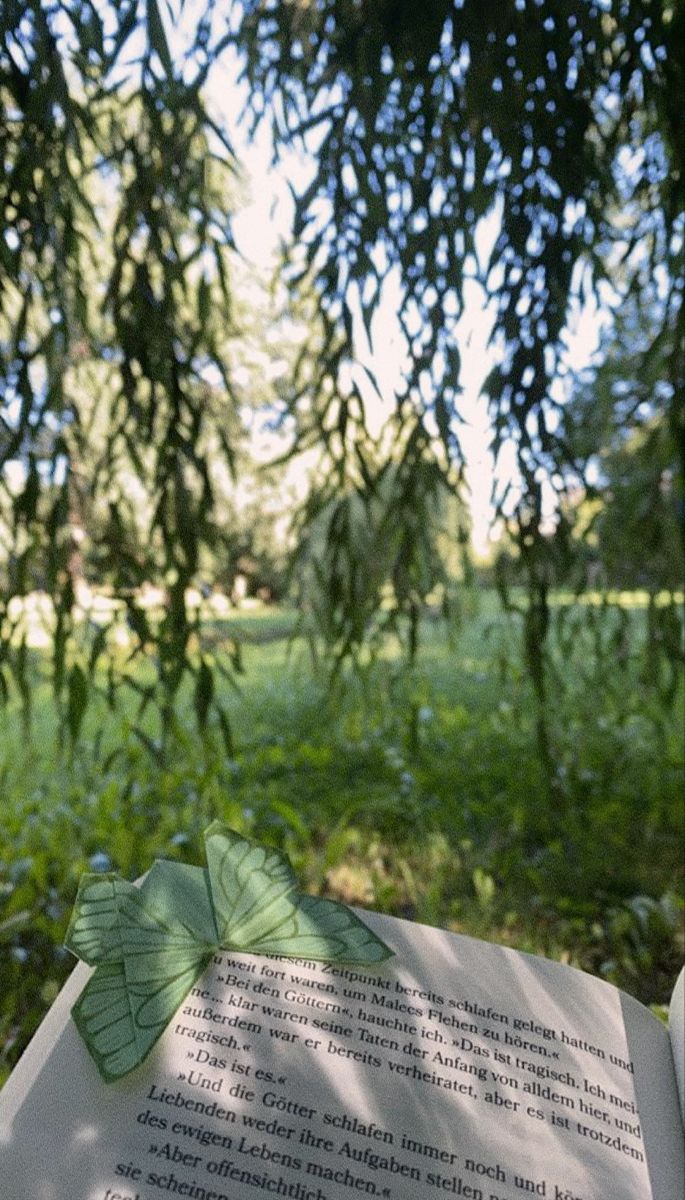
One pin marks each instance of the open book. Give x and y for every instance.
(455, 1068)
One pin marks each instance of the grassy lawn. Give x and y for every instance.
(415, 792)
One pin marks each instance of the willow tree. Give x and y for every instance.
(120, 419)
(562, 122)
(559, 120)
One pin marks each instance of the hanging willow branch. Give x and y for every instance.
(115, 324)
(557, 121)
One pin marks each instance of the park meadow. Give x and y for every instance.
(414, 790)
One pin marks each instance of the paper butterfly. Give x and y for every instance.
(150, 944)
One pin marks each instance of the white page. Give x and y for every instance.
(305, 1102)
(676, 1026)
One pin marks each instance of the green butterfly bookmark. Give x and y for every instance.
(150, 944)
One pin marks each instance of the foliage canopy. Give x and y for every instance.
(561, 118)
(560, 121)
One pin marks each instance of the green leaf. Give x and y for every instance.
(157, 37)
(204, 694)
(77, 700)
(226, 732)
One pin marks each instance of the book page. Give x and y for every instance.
(676, 1028)
(457, 1068)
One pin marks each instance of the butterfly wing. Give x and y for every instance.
(120, 1019)
(148, 964)
(93, 933)
(147, 957)
(322, 930)
(251, 885)
(258, 910)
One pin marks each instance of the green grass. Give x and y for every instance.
(418, 792)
